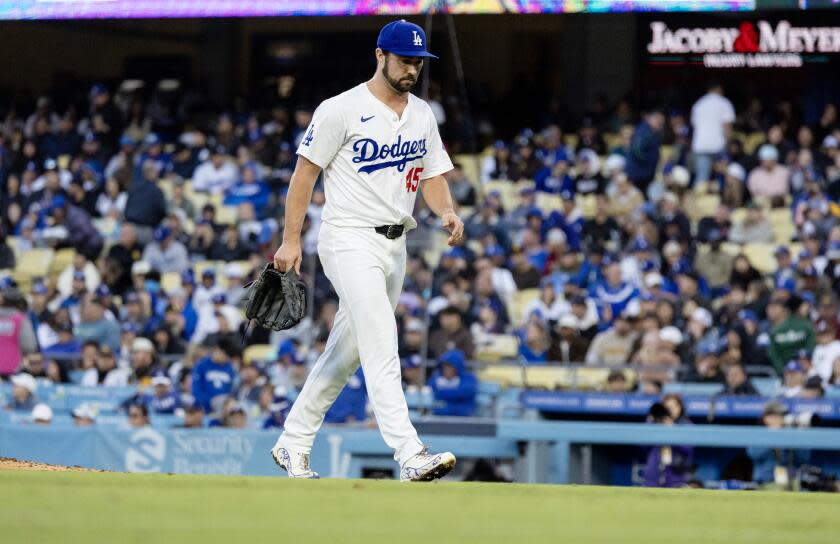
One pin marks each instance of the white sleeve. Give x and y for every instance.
(325, 134)
(436, 161)
(728, 112)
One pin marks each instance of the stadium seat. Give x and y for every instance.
(703, 206)
(61, 260)
(693, 389)
(766, 387)
(14, 243)
(761, 256)
(783, 227)
(587, 204)
(170, 281)
(259, 352)
(752, 141)
(471, 165)
(201, 266)
(32, 263)
(547, 203)
(506, 375)
(738, 215)
(520, 300)
(226, 215)
(502, 346)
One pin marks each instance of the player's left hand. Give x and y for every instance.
(455, 226)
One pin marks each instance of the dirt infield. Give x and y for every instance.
(8, 463)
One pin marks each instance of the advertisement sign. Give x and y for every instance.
(746, 43)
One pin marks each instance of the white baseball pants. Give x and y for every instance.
(367, 271)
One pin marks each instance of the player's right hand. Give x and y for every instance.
(287, 257)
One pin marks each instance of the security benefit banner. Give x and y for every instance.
(769, 40)
(185, 451)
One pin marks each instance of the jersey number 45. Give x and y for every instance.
(412, 179)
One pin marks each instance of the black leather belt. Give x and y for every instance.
(390, 232)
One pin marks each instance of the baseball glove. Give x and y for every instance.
(276, 300)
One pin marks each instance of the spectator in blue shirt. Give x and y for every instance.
(453, 386)
(279, 409)
(350, 404)
(248, 189)
(66, 344)
(613, 292)
(162, 399)
(214, 375)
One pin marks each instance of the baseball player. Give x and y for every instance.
(377, 144)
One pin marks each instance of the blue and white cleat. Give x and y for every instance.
(425, 467)
(295, 464)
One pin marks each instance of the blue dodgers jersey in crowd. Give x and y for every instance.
(456, 396)
(166, 404)
(350, 402)
(210, 379)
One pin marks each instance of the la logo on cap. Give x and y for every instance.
(418, 41)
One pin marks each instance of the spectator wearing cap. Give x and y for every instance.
(450, 334)
(706, 367)
(217, 174)
(279, 407)
(164, 253)
(589, 180)
(732, 193)
(643, 155)
(350, 405)
(94, 326)
(66, 343)
(23, 398)
(453, 386)
(41, 414)
(790, 333)
(84, 415)
(769, 179)
(134, 312)
(143, 362)
(193, 415)
(413, 372)
(614, 346)
(554, 179)
(826, 352)
(793, 378)
(812, 389)
(236, 417)
(567, 346)
(206, 290)
(773, 466)
(80, 232)
(213, 376)
(162, 399)
(720, 223)
(17, 336)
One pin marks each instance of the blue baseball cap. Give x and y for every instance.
(803, 354)
(494, 250)
(162, 233)
(412, 361)
(748, 315)
(188, 277)
(794, 366)
(78, 275)
(404, 39)
(454, 357)
(39, 289)
(640, 244)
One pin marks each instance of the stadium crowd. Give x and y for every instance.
(695, 246)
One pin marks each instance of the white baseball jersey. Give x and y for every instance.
(373, 160)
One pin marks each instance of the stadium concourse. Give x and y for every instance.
(628, 252)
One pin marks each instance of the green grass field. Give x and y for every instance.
(70, 507)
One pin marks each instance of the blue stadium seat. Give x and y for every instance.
(766, 387)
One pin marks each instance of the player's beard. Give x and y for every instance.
(403, 85)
